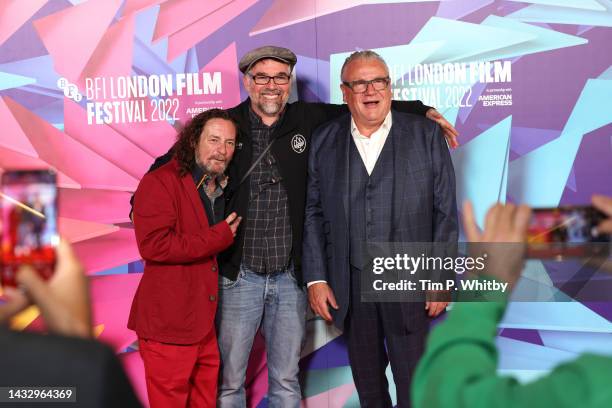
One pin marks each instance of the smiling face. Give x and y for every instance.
(370, 108)
(216, 146)
(269, 100)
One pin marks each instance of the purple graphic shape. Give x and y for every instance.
(526, 335)
(333, 354)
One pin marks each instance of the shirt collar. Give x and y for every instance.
(200, 178)
(386, 126)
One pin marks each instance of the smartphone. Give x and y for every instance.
(28, 200)
(569, 231)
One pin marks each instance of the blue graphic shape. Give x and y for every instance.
(39, 68)
(118, 270)
(191, 61)
(8, 81)
(516, 354)
(455, 10)
(539, 177)
(557, 316)
(525, 139)
(148, 57)
(607, 74)
(320, 381)
(52, 112)
(544, 39)
(579, 4)
(451, 115)
(480, 168)
(463, 40)
(563, 15)
(401, 56)
(600, 343)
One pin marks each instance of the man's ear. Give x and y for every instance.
(344, 90)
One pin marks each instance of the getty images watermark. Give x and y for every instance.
(412, 272)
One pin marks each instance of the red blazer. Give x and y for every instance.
(176, 299)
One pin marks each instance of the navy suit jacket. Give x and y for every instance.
(424, 207)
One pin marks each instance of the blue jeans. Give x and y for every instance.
(278, 305)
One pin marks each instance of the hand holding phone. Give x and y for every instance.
(569, 231)
(29, 223)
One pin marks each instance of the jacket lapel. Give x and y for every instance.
(401, 145)
(194, 197)
(342, 164)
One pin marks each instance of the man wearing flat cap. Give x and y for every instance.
(261, 282)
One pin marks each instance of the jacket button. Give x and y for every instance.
(214, 269)
(212, 298)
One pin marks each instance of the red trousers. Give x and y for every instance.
(180, 375)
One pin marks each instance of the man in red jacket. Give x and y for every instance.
(179, 229)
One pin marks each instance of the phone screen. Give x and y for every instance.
(566, 231)
(29, 222)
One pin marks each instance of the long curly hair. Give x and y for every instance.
(188, 139)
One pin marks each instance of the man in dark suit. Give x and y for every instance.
(374, 176)
(178, 219)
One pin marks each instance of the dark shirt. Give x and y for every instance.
(213, 206)
(267, 239)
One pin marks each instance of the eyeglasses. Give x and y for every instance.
(260, 79)
(361, 85)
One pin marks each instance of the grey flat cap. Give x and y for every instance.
(269, 51)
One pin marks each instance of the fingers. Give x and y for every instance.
(491, 221)
(472, 231)
(521, 221)
(435, 308)
(451, 139)
(506, 222)
(320, 294)
(16, 301)
(332, 299)
(35, 287)
(602, 203)
(230, 218)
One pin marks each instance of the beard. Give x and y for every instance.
(271, 107)
(209, 168)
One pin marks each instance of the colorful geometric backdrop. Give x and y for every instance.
(526, 83)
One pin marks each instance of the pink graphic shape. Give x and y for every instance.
(112, 298)
(13, 137)
(257, 372)
(103, 206)
(134, 368)
(108, 251)
(113, 55)
(176, 15)
(69, 156)
(77, 230)
(105, 141)
(334, 398)
(225, 63)
(14, 13)
(132, 6)
(72, 35)
(155, 138)
(285, 13)
(189, 36)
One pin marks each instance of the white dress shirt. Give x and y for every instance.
(369, 149)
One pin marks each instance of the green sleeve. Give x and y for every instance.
(459, 366)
